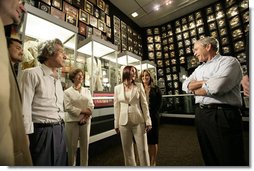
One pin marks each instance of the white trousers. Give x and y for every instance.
(75, 132)
(127, 132)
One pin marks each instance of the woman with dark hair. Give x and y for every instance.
(154, 98)
(79, 106)
(132, 117)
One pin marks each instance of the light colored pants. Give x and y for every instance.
(75, 132)
(127, 132)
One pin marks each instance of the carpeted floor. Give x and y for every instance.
(178, 146)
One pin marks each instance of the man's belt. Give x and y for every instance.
(50, 124)
(217, 106)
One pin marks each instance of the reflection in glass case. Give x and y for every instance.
(100, 54)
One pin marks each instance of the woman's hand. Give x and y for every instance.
(117, 130)
(148, 128)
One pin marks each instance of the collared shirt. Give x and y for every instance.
(223, 75)
(42, 97)
(75, 102)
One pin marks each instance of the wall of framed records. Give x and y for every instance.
(170, 45)
(96, 17)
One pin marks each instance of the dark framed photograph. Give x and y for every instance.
(57, 13)
(101, 25)
(72, 19)
(78, 3)
(93, 21)
(101, 4)
(83, 16)
(67, 8)
(108, 22)
(82, 28)
(44, 7)
(57, 3)
(88, 7)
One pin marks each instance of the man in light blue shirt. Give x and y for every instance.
(216, 86)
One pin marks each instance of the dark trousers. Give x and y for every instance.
(47, 145)
(220, 136)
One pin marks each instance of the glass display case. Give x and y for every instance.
(33, 33)
(101, 64)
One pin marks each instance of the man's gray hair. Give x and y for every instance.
(210, 40)
(47, 49)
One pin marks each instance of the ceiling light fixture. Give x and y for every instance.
(156, 7)
(135, 14)
(168, 2)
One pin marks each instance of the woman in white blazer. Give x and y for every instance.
(132, 118)
(79, 105)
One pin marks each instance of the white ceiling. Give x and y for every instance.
(148, 17)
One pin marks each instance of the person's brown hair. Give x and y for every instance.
(74, 72)
(47, 49)
(127, 73)
(151, 83)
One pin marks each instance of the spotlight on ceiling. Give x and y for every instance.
(156, 7)
(135, 14)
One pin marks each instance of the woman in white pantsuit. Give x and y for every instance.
(79, 105)
(132, 117)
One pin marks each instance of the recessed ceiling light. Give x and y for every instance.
(168, 2)
(135, 14)
(156, 7)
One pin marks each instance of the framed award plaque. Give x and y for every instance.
(44, 7)
(82, 28)
(57, 13)
(93, 21)
(57, 3)
(83, 16)
(101, 4)
(88, 7)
